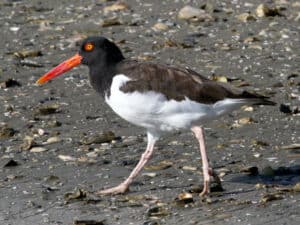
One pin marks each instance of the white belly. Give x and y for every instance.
(154, 112)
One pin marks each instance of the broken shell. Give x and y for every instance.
(190, 168)
(220, 78)
(251, 170)
(46, 109)
(28, 143)
(194, 14)
(27, 53)
(245, 17)
(184, 198)
(117, 6)
(157, 211)
(6, 132)
(297, 187)
(67, 158)
(271, 197)
(104, 137)
(52, 140)
(38, 149)
(160, 166)
(160, 27)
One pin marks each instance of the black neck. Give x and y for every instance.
(101, 77)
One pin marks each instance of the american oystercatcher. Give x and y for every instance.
(159, 97)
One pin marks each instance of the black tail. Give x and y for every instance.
(256, 99)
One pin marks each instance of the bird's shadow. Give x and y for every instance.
(280, 176)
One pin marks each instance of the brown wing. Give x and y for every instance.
(177, 83)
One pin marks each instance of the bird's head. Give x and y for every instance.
(94, 52)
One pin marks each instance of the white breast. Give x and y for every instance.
(154, 111)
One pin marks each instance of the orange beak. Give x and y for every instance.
(61, 68)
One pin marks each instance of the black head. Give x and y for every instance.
(99, 51)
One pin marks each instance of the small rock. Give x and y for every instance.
(271, 197)
(53, 123)
(160, 27)
(251, 170)
(248, 108)
(6, 132)
(157, 211)
(77, 194)
(268, 171)
(28, 143)
(296, 188)
(160, 166)
(260, 186)
(10, 163)
(30, 63)
(245, 17)
(104, 137)
(184, 198)
(117, 6)
(285, 108)
(263, 11)
(251, 39)
(41, 132)
(14, 29)
(47, 109)
(112, 21)
(89, 222)
(9, 83)
(194, 14)
(242, 121)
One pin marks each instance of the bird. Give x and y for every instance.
(159, 97)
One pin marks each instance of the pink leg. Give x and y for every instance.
(123, 187)
(198, 131)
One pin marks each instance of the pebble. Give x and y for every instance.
(193, 14)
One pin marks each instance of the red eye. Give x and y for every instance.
(89, 46)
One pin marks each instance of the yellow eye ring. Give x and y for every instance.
(89, 46)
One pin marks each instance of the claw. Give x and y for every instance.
(120, 189)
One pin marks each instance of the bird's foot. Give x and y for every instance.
(207, 172)
(207, 178)
(206, 189)
(120, 189)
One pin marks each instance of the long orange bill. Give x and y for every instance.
(61, 68)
